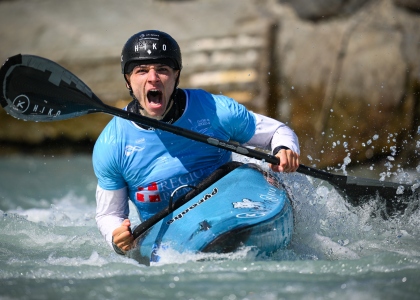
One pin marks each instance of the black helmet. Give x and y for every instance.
(150, 46)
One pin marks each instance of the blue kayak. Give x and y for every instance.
(246, 207)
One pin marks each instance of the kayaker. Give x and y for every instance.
(132, 161)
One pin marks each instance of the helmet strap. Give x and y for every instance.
(172, 98)
(134, 97)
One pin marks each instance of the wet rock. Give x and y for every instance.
(323, 9)
(413, 5)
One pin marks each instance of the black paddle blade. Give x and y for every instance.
(37, 89)
(395, 197)
(357, 190)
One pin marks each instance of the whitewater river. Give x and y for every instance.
(50, 247)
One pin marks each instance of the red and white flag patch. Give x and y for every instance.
(149, 194)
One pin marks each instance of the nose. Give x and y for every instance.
(152, 75)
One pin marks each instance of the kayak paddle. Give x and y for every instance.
(37, 89)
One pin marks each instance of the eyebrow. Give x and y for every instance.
(141, 66)
(158, 65)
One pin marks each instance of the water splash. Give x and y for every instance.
(327, 227)
(169, 256)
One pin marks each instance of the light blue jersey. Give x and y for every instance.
(152, 163)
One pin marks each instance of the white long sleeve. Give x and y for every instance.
(271, 133)
(111, 210)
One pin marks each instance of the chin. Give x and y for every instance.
(155, 114)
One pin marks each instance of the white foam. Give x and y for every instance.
(169, 256)
(94, 260)
(70, 210)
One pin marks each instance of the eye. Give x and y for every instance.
(163, 69)
(142, 70)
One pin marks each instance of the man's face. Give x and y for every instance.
(153, 84)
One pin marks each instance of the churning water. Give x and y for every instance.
(50, 247)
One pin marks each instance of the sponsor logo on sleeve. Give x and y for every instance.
(131, 149)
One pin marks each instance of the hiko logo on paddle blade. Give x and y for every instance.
(22, 103)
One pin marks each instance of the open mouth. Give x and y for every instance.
(154, 96)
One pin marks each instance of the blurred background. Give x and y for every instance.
(344, 74)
